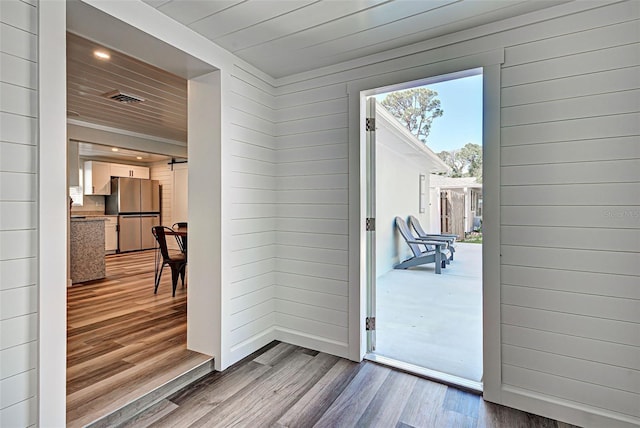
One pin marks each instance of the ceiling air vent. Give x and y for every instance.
(121, 97)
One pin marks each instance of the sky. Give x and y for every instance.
(461, 123)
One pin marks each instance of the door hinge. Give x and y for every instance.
(370, 224)
(370, 323)
(370, 124)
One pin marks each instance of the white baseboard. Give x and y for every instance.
(564, 410)
(241, 350)
(312, 342)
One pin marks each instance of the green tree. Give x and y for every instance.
(414, 108)
(464, 162)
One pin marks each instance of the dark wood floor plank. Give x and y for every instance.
(109, 323)
(347, 409)
(310, 408)
(423, 404)
(91, 352)
(450, 419)
(283, 385)
(461, 402)
(201, 399)
(496, 416)
(152, 415)
(303, 388)
(275, 354)
(91, 377)
(293, 390)
(387, 405)
(124, 352)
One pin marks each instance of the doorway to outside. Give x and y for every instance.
(424, 159)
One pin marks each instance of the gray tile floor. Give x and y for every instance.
(434, 321)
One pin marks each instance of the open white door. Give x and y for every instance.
(370, 124)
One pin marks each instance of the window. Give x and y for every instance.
(76, 192)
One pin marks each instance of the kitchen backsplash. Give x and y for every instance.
(93, 204)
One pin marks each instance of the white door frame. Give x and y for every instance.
(357, 92)
(370, 260)
(371, 279)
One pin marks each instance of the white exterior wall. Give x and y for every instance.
(18, 213)
(434, 210)
(569, 187)
(397, 194)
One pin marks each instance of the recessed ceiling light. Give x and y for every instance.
(114, 149)
(101, 54)
(139, 157)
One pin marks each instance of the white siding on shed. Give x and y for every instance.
(18, 207)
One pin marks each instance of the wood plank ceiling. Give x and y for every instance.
(163, 113)
(279, 37)
(284, 37)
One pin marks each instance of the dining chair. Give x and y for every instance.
(182, 240)
(177, 262)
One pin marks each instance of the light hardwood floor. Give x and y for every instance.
(122, 340)
(287, 386)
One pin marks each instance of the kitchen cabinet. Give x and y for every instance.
(132, 171)
(111, 234)
(73, 164)
(97, 178)
(97, 175)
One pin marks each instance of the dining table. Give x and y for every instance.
(181, 233)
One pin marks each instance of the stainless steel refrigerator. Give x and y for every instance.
(137, 203)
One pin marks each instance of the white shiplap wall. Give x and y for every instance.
(571, 213)
(162, 172)
(18, 223)
(250, 293)
(570, 196)
(312, 211)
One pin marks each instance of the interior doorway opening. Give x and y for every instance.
(124, 341)
(428, 317)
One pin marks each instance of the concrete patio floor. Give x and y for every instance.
(434, 321)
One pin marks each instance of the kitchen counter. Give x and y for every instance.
(87, 248)
(88, 218)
